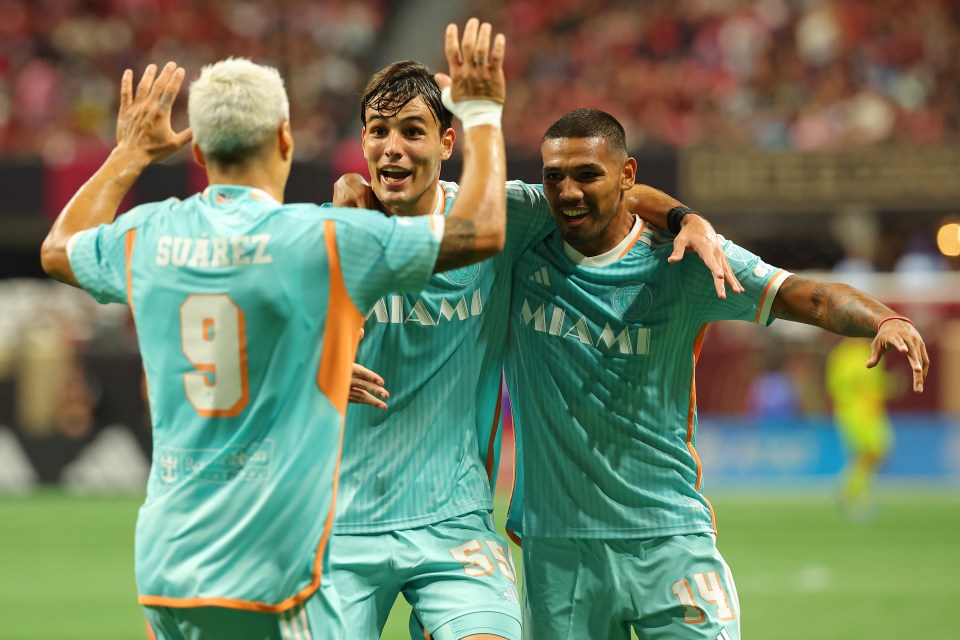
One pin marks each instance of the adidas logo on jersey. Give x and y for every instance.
(723, 635)
(511, 595)
(540, 276)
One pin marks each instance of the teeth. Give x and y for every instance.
(393, 175)
(573, 213)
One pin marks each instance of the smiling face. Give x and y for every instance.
(403, 152)
(584, 183)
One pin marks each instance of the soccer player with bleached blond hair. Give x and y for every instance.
(248, 314)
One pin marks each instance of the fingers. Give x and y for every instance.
(451, 46)
(146, 82)
(160, 91)
(679, 248)
(126, 90)
(359, 396)
(443, 80)
(499, 50)
(730, 277)
(469, 42)
(482, 49)
(877, 349)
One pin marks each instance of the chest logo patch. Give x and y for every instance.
(464, 275)
(632, 301)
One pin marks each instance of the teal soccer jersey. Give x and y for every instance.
(433, 453)
(601, 375)
(248, 315)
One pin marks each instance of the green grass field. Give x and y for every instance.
(66, 567)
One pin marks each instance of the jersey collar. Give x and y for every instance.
(611, 256)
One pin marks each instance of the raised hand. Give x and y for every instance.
(476, 68)
(143, 123)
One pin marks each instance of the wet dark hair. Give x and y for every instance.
(590, 123)
(391, 88)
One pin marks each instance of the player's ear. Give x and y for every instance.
(198, 155)
(285, 140)
(628, 174)
(446, 142)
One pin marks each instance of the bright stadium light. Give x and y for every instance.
(948, 239)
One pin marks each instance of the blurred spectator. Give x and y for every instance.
(771, 74)
(61, 59)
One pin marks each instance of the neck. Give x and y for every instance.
(618, 229)
(256, 176)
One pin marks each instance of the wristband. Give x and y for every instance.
(675, 215)
(473, 112)
(904, 318)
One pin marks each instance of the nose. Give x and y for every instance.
(391, 145)
(569, 190)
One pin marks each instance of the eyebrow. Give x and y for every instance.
(586, 165)
(408, 119)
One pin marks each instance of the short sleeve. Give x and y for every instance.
(760, 280)
(380, 254)
(528, 218)
(98, 258)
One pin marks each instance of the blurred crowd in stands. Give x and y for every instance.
(61, 62)
(770, 74)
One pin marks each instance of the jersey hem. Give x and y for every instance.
(623, 534)
(413, 523)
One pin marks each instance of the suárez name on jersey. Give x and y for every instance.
(213, 252)
(395, 310)
(623, 339)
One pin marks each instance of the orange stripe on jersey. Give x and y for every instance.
(491, 457)
(129, 240)
(341, 335)
(634, 241)
(691, 408)
(766, 290)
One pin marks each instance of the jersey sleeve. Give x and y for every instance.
(98, 256)
(760, 280)
(381, 254)
(528, 218)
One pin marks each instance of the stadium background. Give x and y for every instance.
(822, 135)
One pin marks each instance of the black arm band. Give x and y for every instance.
(675, 215)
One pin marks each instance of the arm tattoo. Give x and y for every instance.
(459, 245)
(838, 308)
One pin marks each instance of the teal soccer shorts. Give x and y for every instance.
(457, 575)
(671, 588)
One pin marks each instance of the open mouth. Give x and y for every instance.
(394, 175)
(575, 214)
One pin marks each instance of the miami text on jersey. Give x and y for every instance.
(579, 328)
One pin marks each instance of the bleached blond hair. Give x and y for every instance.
(235, 105)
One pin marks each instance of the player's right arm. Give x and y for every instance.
(144, 135)
(475, 228)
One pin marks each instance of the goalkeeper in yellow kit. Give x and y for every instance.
(859, 406)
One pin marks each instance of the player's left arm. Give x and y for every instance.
(694, 232)
(843, 310)
(144, 135)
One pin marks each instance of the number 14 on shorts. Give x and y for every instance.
(477, 563)
(709, 590)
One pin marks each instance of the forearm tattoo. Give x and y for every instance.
(838, 308)
(459, 246)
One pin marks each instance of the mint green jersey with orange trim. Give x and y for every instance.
(433, 453)
(248, 315)
(601, 377)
